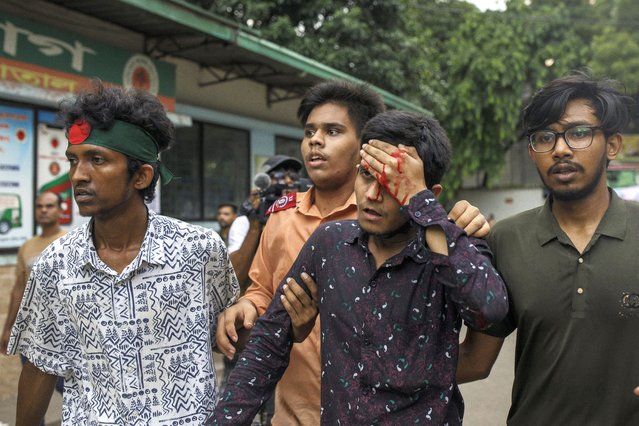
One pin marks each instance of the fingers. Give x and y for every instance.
(222, 337)
(470, 219)
(310, 283)
(458, 209)
(481, 232)
(295, 294)
(399, 169)
(637, 391)
(378, 154)
(242, 314)
(300, 306)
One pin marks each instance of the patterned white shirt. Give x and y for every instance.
(135, 347)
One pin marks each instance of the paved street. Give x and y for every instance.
(487, 401)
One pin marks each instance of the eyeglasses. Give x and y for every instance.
(578, 137)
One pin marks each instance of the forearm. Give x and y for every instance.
(34, 393)
(477, 355)
(12, 312)
(14, 304)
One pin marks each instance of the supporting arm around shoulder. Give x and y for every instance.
(477, 354)
(34, 394)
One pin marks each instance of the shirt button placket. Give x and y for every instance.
(580, 290)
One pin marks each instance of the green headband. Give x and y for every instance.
(125, 138)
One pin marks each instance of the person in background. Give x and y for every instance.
(570, 267)
(392, 289)
(333, 114)
(245, 233)
(226, 215)
(48, 209)
(125, 306)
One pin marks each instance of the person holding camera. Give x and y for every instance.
(279, 175)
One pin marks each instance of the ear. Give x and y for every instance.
(436, 189)
(531, 153)
(143, 177)
(613, 146)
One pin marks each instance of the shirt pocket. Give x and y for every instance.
(402, 363)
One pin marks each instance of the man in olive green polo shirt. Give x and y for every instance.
(572, 269)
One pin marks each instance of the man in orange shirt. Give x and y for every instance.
(333, 115)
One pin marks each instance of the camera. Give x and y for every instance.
(272, 187)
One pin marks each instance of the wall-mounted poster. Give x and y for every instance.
(16, 176)
(53, 167)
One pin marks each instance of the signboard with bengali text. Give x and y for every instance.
(34, 56)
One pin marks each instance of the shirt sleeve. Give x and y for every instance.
(237, 233)
(221, 280)
(43, 332)
(265, 358)
(473, 284)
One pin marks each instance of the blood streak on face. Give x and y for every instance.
(399, 155)
(383, 180)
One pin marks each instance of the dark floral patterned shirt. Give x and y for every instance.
(389, 335)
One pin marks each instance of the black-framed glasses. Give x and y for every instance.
(577, 137)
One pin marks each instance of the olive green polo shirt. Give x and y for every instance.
(576, 315)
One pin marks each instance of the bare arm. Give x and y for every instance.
(477, 354)
(243, 257)
(34, 393)
(14, 305)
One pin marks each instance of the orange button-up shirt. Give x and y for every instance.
(297, 396)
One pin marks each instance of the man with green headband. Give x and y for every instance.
(124, 307)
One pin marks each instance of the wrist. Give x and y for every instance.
(247, 302)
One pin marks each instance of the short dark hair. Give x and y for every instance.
(101, 106)
(231, 205)
(362, 102)
(57, 196)
(548, 105)
(411, 129)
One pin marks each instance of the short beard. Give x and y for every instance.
(578, 193)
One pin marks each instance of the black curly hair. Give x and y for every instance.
(100, 106)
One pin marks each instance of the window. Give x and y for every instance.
(211, 165)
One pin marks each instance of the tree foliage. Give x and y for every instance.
(474, 69)
(496, 60)
(364, 38)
